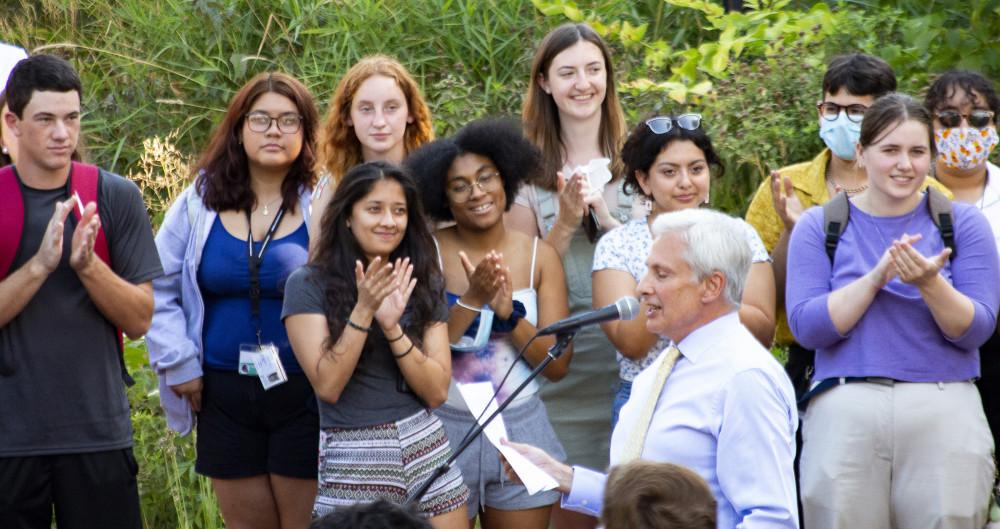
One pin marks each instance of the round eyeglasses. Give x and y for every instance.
(830, 111)
(288, 123)
(460, 190)
(663, 124)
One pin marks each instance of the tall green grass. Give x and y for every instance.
(153, 68)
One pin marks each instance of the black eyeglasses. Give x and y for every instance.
(977, 118)
(663, 124)
(830, 110)
(288, 123)
(461, 190)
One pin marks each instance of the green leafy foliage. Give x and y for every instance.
(171, 493)
(158, 75)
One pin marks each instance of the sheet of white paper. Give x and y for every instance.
(479, 395)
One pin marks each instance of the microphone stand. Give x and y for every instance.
(562, 340)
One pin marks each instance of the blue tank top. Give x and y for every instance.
(224, 280)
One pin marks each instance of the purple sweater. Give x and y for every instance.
(897, 337)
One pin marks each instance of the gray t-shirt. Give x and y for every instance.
(375, 394)
(66, 393)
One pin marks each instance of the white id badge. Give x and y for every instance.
(247, 353)
(269, 368)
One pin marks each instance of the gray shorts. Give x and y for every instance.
(480, 463)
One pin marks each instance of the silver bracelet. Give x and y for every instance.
(464, 306)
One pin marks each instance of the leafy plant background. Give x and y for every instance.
(158, 75)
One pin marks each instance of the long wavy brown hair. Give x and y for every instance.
(541, 116)
(339, 147)
(223, 171)
(338, 250)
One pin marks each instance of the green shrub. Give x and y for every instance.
(170, 492)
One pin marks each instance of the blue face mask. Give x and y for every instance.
(840, 135)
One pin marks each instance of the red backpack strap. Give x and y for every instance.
(11, 218)
(85, 181)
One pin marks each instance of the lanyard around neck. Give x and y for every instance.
(253, 261)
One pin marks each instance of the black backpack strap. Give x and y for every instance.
(835, 214)
(940, 209)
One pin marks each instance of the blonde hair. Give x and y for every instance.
(339, 147)
(541, 116)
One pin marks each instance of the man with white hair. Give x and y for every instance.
(715, 401)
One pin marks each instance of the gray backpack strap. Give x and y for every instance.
(835, 215)
(548, 204)
(940, 210)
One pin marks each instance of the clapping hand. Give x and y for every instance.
(84, 237)
(399, 290)
(374, 284)
(484, 279)
(573, 198)
(913, 268)
(50, 251)
(503, 300)
(786, 202)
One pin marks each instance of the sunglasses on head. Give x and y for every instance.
(663, 124)
(977, 118)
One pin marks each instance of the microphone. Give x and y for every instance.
(625, 308)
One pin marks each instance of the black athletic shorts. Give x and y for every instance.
(245, 431)
(95, 490)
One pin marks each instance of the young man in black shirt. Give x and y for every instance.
(66, 434)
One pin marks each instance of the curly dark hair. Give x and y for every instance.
(944, 87)
(223, 172)
(643, 146)
(498, 139)
(338, 250)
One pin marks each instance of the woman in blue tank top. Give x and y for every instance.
(228, 245)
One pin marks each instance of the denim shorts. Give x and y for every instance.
(480, 463)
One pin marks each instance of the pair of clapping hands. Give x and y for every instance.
(900, 259)
(384, 288)
(489, 284)
(84, 236)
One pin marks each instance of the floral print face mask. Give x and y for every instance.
(965, 147)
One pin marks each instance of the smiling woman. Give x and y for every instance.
(366, 320)
(503, 279)
(572, 115)
(670, 161)
(896, 319)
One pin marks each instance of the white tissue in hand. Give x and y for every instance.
(597, 174)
